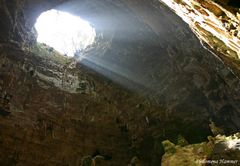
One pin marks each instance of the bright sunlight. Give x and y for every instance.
(64, 32)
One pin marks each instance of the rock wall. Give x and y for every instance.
(219, 150)
(215, 23)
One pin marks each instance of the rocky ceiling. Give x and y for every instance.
(146, 78)
(216, 23)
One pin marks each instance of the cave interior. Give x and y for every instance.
(149, 90)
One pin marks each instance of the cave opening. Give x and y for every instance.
(66, 33)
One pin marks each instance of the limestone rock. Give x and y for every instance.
(219, 150)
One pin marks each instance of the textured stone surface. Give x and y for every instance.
(138, 85)
(219, 150)
(215, 23)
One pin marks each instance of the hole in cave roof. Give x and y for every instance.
(66, 33)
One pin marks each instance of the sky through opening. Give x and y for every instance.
(64, 32)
